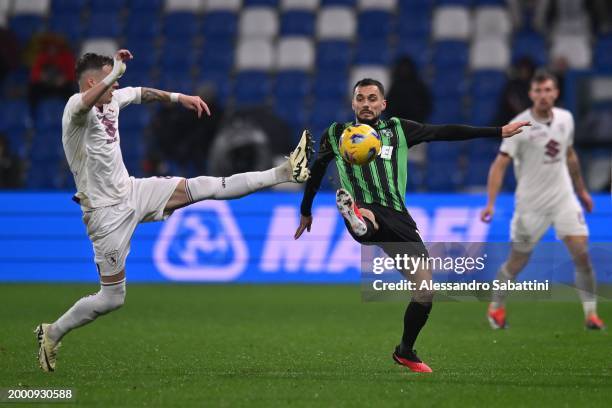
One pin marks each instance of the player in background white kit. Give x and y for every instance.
(546, 165)
(113, 203)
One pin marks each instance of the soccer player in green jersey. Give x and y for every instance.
(372, 197)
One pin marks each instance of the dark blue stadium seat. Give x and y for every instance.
(15, 83)
(172, 82)
(68, 24)
(466, 3)
(16, 140)
(67, 6)
(292, 110)
(297, 22)
(217, 54)
(292, 84)
(602, 55)
(147, 6)
(442, 176)
(453, 54)
(49, 115)
(448, 82)
(414, 25)
(270, 3)
(132, 144)
(373, 52)
(374, 24)
(43, 174)
(180, 27)
(143, 26)
(25, 26)
(145, 53)
(252, 87)
(136, 76)
(477, 173)
(220, 81)
(483, 111)
(179, 60)
(417, 49)
(220, 25)
(501, 3)
(106, 6)
(530, 44)
(415, 177)
(326, 111)
(333, 55)
(487, 83)
(47, 145)
(447, 110)
(349, 3)
(14, 115)
(104, 24)
(134, 118)
(331, 85)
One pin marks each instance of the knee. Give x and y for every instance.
(111, 298)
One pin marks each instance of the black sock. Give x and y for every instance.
(414, 319)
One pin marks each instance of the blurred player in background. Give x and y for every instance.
(372, 197)
(546, 165)
(113, 203)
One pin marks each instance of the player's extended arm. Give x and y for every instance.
(417, 132)
(494, 183)
(317, 172)
(573, 164)
(90, 97)
(195, 103)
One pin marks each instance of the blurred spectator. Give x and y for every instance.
(181, 137)
(9, 52)
(251, 139)
(600, 12)
(52, 73)
(515, 96)
(408, 97)
(529, 15)
(10, 166)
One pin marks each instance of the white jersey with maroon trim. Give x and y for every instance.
(91, 144)
(540, 162)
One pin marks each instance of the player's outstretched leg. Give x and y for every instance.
(361, 222)
(196, 189)
(87, 309)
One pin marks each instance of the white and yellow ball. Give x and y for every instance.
(359, 144)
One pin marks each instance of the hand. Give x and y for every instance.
(586, 200)
(486, 215)
(514, 128)
(194, 103)
(123, 55)
(305, 224)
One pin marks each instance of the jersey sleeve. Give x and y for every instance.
(317, 172)
(510, 146)
(125, 96)
(416, 132)
(75, 110)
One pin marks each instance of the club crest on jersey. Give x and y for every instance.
(386, 133)
(112, 257)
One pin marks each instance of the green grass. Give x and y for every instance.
(216, 345)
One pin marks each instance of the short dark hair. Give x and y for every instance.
(542, 75)
(369, 82)
(91, 61)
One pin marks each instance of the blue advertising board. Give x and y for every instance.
(249, 240)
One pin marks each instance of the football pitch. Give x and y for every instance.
(309, 345)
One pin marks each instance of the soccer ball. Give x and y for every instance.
(359, 144)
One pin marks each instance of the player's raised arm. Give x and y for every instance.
(97, 88)
(494, 183)
(188, 101)
(573, 165)
(324, 156)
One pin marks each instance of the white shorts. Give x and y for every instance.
(110, 229)
(527, 228)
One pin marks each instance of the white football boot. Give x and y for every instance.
(47, 348)
(350, 212)
(299, 159)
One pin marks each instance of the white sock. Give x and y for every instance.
(586, 288)
(236, 186)
(498, 297)
(88, 309)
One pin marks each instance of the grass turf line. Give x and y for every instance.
(278, 345)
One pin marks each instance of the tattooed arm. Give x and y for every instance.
(195, 103)
(573, 165)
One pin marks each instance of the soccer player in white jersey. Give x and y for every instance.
(113, 203)
(546, 166)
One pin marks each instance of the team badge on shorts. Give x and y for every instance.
(112, 257)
